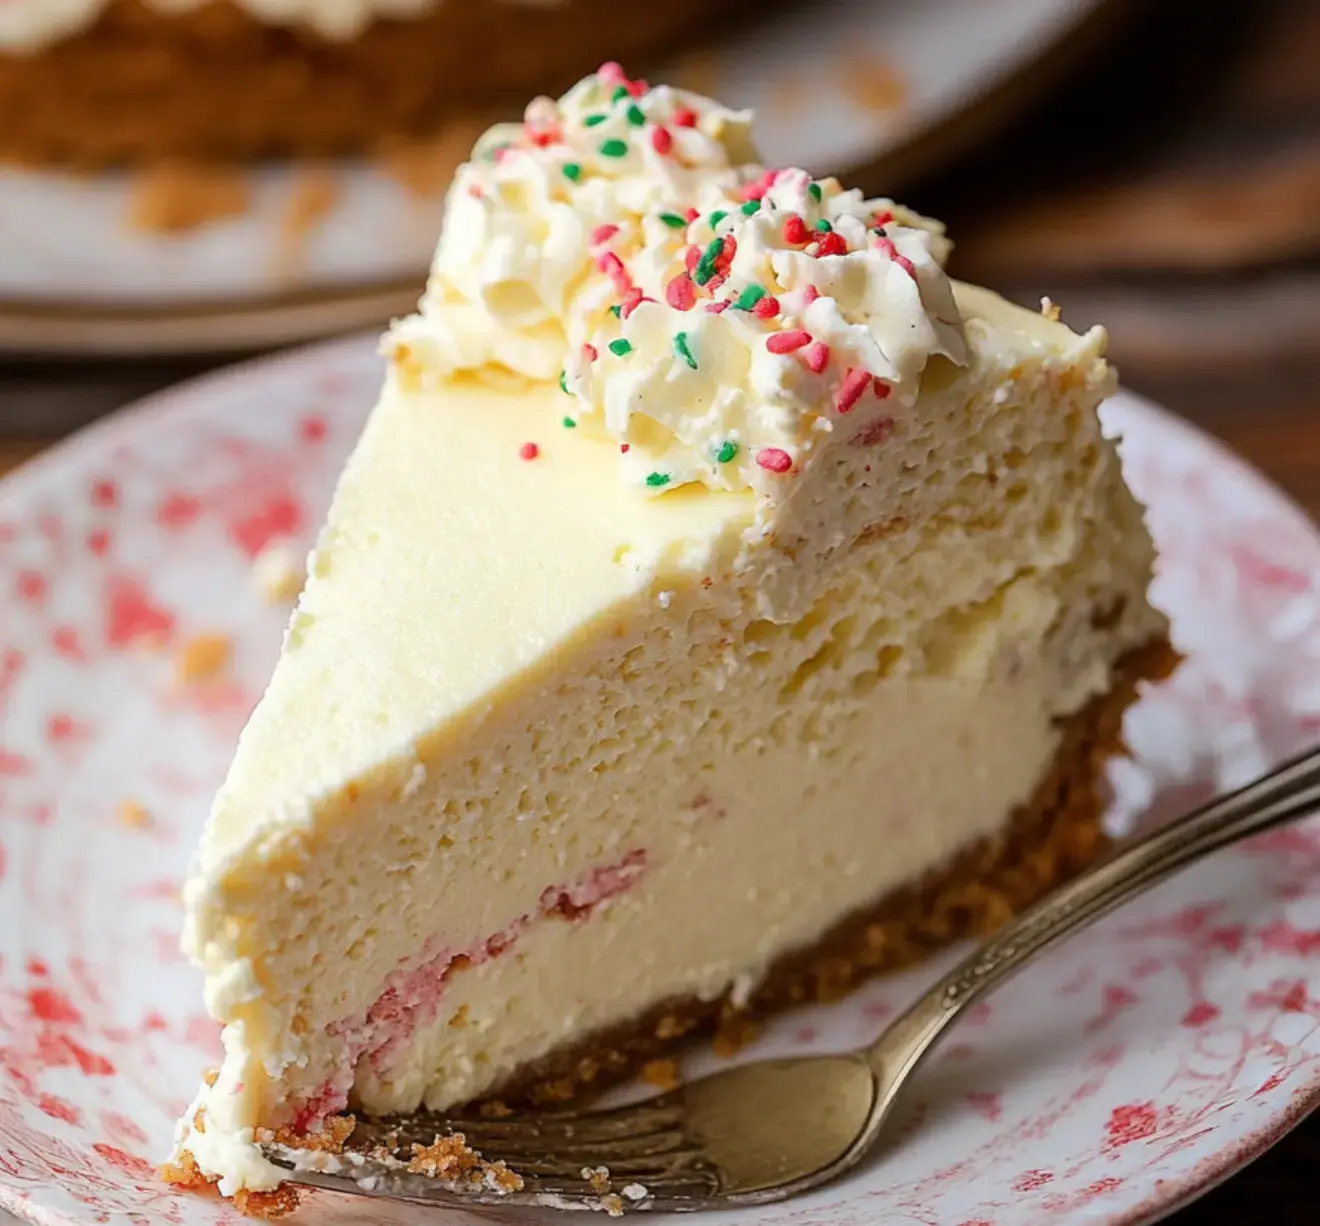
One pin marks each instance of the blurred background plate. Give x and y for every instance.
(205, 261)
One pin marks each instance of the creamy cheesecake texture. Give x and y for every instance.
(653, 629)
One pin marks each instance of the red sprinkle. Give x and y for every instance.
(680, 293)
(795, 230)
(787, 342)
(774, 460)
(603, 234)
(611, 72)
(590, 352)
(637, 88)
(766, 308)
(886, 245)
(691, 258)
(716, 308)
(612, 266)
(881, 388)
(850, 392)
(542, 137)
(817, 357)
(882, 219)
(623, 447)
(809, 295)
(831, 244)
(685, 117)
(690, 215)
(906, 265)
(529, 451)
(632, 300)
(661, 141)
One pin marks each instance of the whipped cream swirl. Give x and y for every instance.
(713, 317)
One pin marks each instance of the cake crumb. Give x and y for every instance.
(612, 1204)
(452, 1159)
(598, 1177)
(330, 1140)
(202, 658)
(133, 814)
(673, 1026)
(736, 1032)
(278, 573)
(663, 1074)
(495, 1110)
(175, 197)
(1050, 309)
(267, 1206)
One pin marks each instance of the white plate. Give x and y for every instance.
(76, 277)
(1180, 1038)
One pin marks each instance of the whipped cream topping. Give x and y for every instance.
(27, 25)
(713, 317)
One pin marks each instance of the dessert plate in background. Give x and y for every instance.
(1182, 1035)
(838, 85)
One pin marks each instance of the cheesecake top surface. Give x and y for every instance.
(716, 318)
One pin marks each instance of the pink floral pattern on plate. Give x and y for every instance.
(1182, 1035)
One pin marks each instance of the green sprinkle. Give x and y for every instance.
(824, 226)
(620, 348)
(749, 297)
(620, 91)
(613, 148)
(616, 310)
(572, 171)
(635, 116)
(563, 382)
(656, 480)
(814, 189)
(706, 265)
(592, 120)
(726, 453)
(681, 348)
(716, 217)
(569, 424)
(750, 208)
(674, 220)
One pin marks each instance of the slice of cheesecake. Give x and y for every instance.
(720, 605)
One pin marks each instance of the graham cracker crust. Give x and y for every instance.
(145, 84)
(1052, 838)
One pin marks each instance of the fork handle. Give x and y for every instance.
(1285, 794)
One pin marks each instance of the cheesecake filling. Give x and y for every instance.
(712, 567)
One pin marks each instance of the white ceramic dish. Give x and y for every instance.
(1181, 1037)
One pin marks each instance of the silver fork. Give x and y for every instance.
(769, 1130)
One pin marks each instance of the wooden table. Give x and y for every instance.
(1173, 193)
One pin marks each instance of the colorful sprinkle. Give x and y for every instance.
(706, 264)
(631, 301)
(590, 352)
(726, 452)
(680, 293)
(716, 217)
(572, 171)
(635, 116)
(750, 297)
(814, 189)
(625, 448)
(809, 295)
(716, 308)
(603, 234)
(817, 357)
(691, 214)
(611, 72)
(568, 423)
(824, 226)
(637, 88)
(850, 391)
(673, 221)
(656, 480)
(620, 348)
(691, 258)
(787, 342)
(616, 310)
(774, 460)
(613, 148)
(685, 117)
(592, 120)
(662, 141)
(767, 307)
(750, 209)
(682, 350)
(563, 382)
(620, 91)
(795, 230)
(529, 451)
(612, 267)
(882, 219)
(831, 244)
